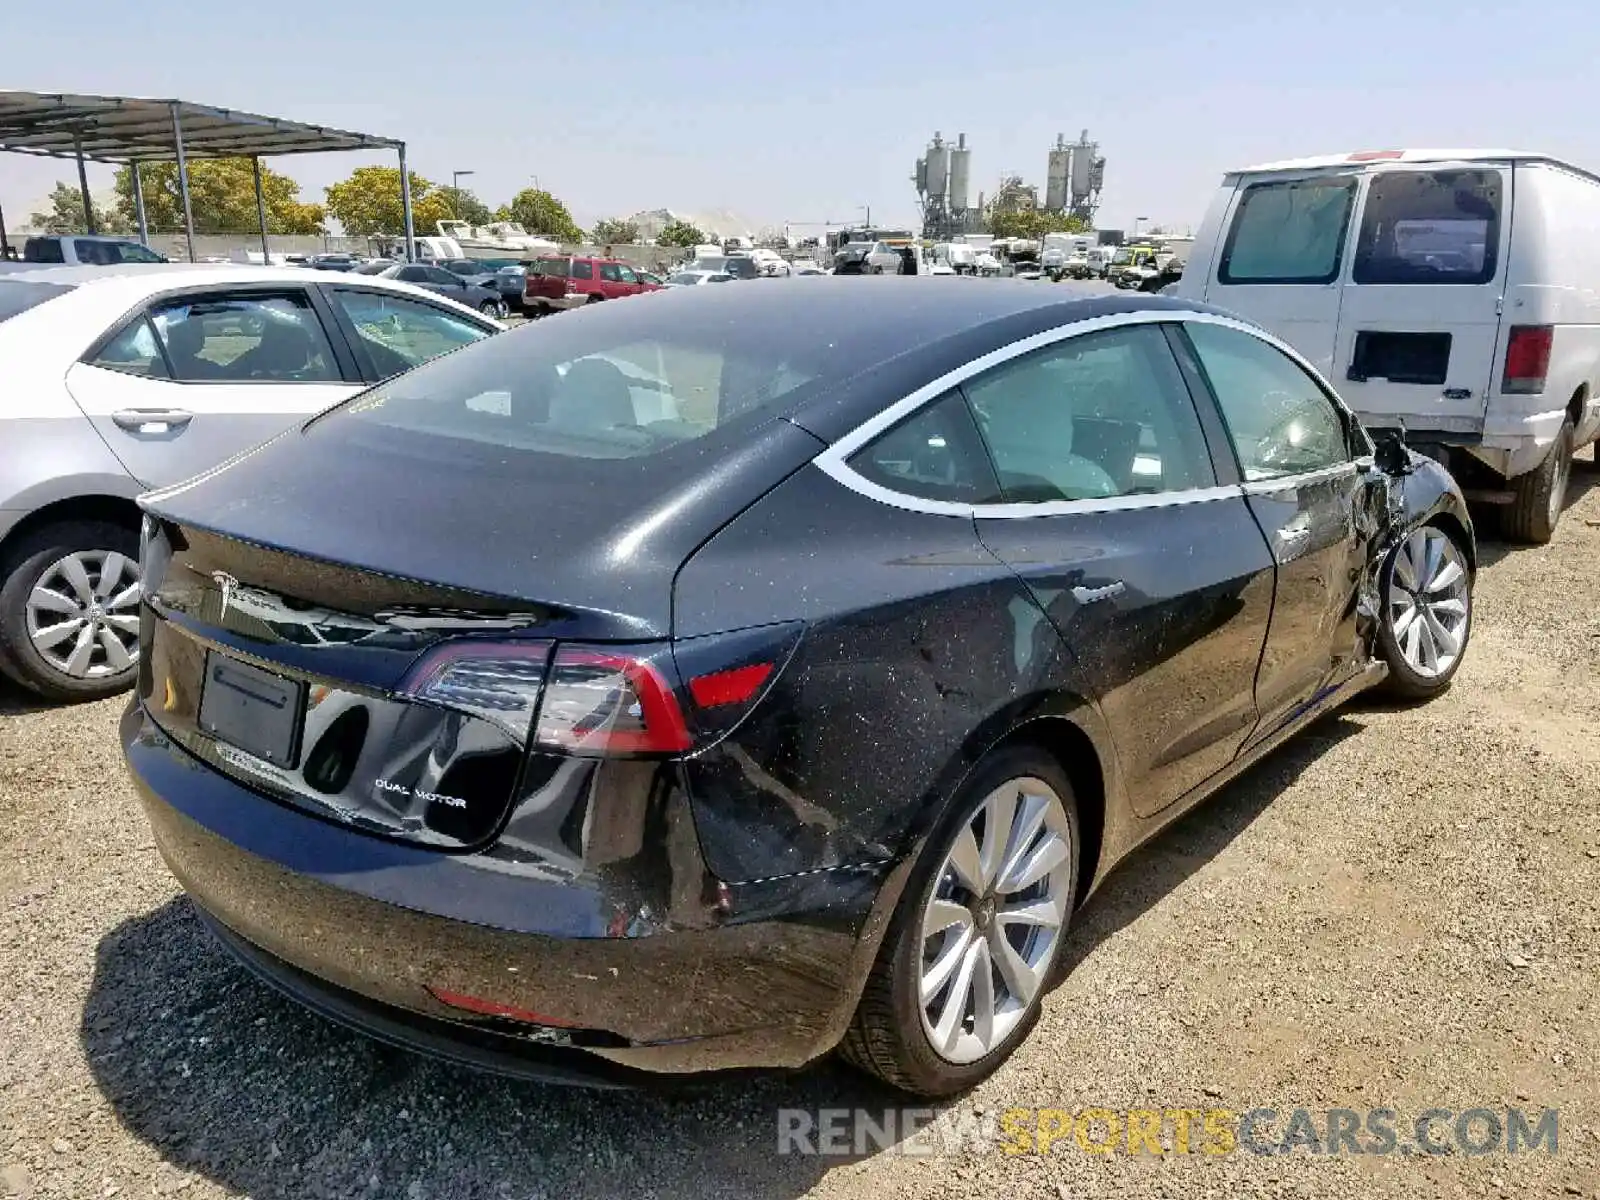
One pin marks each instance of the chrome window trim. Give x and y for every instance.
(834, 460)
(1288, 483)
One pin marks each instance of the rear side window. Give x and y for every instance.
(1291, 232)
(134, 351)
(555, 268)
(43, 250)
(18, 297)
(582, 269)
(935, 454)
(1429, 227)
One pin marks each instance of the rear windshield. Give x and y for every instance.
(18, 297)
(1291, 232)
(555, 267)
(635, 380)
(1429, 227)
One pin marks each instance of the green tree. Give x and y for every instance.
(612, 232)
(539, 212)
(1034, 224)
(680, 233)
(222, 197)
(369, 202)
(464, 204)
(65, 214)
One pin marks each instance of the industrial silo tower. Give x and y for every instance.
(1057, 174)
(1088, 176)
(960, 176)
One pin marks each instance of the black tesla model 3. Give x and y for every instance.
(725, 678)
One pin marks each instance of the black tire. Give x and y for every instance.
(23, 566)
(886, 1037)
(594, 298)
(490, 309)
(1541, 494)
(1404, 682)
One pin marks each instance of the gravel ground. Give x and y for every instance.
(1397, 910)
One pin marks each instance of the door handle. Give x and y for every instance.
(151, 420)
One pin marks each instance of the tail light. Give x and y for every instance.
(599, 700)
(497, 682)
(1527, 359)
(572, 287)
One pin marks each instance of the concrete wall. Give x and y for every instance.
(234, 246)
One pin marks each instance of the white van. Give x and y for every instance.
(1454, 293)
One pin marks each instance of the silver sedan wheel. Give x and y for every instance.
(992, 927)
(83, 614)
(1429, 602)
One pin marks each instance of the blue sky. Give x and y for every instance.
(805, 113)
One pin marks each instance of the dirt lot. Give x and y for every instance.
(1397, 911)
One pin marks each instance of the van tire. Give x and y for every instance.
(1541, 493)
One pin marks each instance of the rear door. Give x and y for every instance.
(191, 380)
(1421, 311)
(1283, 248)
(1145, 559)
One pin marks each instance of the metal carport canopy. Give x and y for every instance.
(134, 129)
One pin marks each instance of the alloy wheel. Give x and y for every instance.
(82, 614)
(1429, 601)
(992, 926)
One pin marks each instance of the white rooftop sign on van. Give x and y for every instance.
(1454, 293)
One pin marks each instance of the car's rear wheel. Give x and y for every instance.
(1426, 593)
(492, 308)
(1541, 494)
(978, 933)
(69, 610)
(594, 298)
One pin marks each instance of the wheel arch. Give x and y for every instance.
(92, 506)
(1070, 730)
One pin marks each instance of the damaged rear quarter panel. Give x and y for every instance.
(921, 649)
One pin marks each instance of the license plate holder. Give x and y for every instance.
(252, 709)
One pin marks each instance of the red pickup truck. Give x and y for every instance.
(570, 281)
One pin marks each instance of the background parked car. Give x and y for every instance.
(332, 262)
(86, 249)
(489, 300)
(122, 379)
(571, 281)
(696, 278)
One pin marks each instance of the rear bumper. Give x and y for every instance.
(1512, 438)
(557, 303)
(367, 930)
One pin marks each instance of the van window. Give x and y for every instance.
(1290, 232)
(1429, 227)
(43, 250)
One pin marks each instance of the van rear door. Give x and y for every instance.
(1283, 243)
(1420, 314)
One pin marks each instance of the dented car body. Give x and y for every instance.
(566, 746)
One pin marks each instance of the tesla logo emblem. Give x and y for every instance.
(225, 583)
